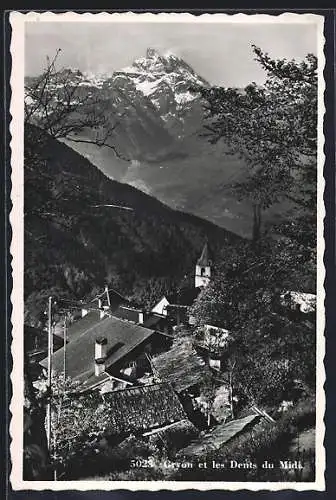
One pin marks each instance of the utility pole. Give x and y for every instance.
(50, 351)
(64, 346)
(107, 296)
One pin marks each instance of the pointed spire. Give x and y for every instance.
(204, 259)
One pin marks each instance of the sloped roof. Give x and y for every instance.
(81, 325)
(217, 437)
(89, 381)
(116, 299)
(204, 259)
(129, 313)
(138, 409)
(181, 366)
(122, 338)
(184, 297)
(134, 410)
(154, 320)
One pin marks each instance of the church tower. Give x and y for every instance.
(203, 268)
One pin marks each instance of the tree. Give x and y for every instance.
(78, 423)
(56, 104)
(269, 351)
(215, 341)
(148, 292)
(235, 294)
(273, 128)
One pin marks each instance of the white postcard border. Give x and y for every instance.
(17, 21)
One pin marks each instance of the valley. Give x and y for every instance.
(159, 139)
(85, 242)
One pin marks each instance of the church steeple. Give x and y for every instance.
(203, 268)
(204, 259)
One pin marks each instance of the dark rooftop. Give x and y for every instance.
(184, 297)
(126, 312)
(116, 299)
(154, 320)
(80, 326)
(81, 347)
(218, 436)
(144, 407)
(135, 410)
(181, 366)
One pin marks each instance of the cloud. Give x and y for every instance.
(221, 54)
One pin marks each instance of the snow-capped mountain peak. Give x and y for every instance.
(163, 79)
(154, 93)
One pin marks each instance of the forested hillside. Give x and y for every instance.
(74, 244)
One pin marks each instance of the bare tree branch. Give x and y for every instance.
(58, 106)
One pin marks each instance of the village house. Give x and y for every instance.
(143, 409)
(106, 351)
(226, 432)
(192, 377)
(213, 343)
(111, 301)
(159, 323)
(175, 307)
(108, 300)
(219, 436)
(140, 411)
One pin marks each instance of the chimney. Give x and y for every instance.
(214, 363)
(99, 366)
(101, 348)
(101, 309)
(141, 317)
(100, 355)
(107, 295)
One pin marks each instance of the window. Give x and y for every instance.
(203, 271)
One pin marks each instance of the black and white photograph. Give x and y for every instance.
(168, 300)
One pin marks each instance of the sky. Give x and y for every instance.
(220, 53)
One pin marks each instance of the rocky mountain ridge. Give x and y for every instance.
(159, 84)
(158, 122)
(166, 80)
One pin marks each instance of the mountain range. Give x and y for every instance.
(159, 136)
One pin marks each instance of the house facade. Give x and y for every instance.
(106, 350)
